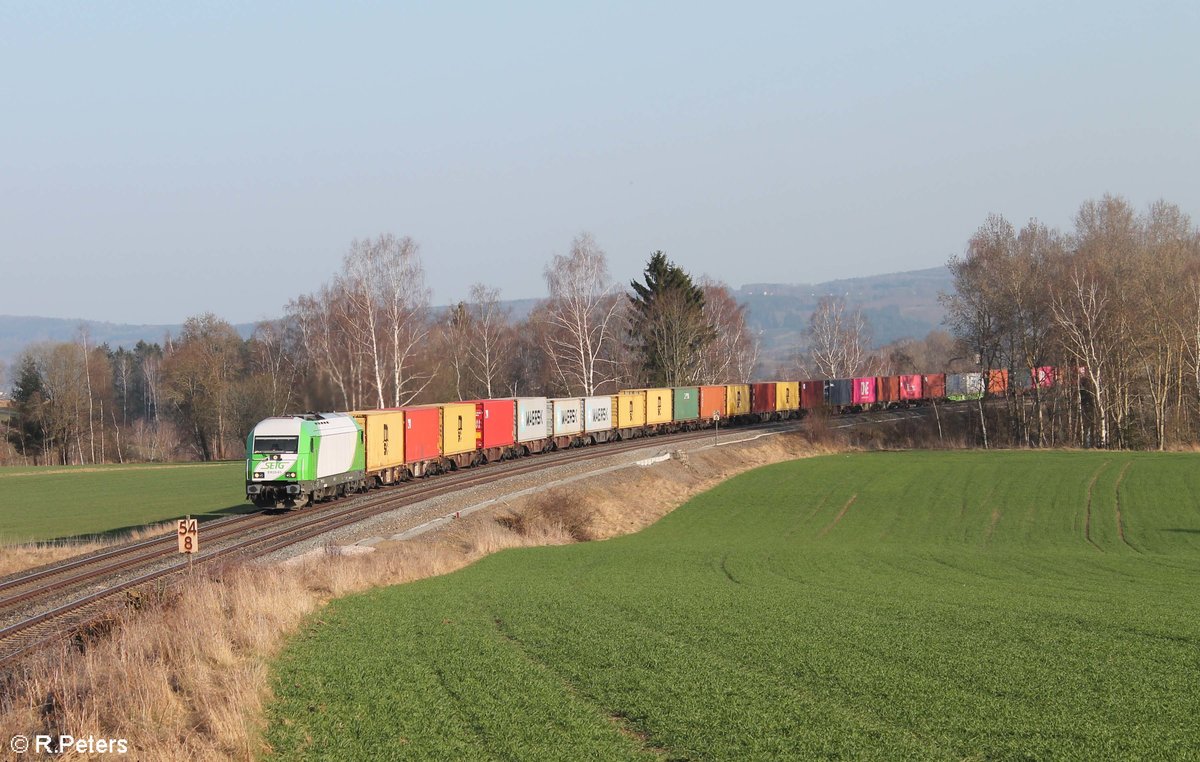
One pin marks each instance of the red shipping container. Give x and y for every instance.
(422, 433)
(887, 389)
(712, 402)
(762, 398)
(495, 423)
(864, 390)
(910, 387)
(997, 381)
(812, 394)
(934, 386)
(1045, 376)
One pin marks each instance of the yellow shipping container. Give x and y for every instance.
(630, 407)
(658, 406)
(737, 399)
(459, 430)
(384, 438)
(787, 395)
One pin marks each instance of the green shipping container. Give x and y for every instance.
(687, 403)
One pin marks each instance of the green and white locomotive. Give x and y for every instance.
(302, 459)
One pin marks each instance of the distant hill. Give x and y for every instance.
(18, 332)
(898, 305)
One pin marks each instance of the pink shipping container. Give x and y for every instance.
(1044, 376)
(762, 398)
(496, 422)
(864, 390)
(812, 394)
(910, 387)
(422, 433)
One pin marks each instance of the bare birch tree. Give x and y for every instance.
(837, 339)
(733, 352)
(581, 315)
(490, 339)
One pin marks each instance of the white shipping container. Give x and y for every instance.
(532, 421)
(567, 414)
(597, 413)
(964, 385)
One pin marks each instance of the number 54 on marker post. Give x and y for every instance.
(188, 532)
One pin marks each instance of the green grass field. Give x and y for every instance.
(48, 503)
(1004, 605)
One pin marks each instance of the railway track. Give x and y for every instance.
(96, 584)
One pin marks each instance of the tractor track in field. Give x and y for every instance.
(1117, 499)
(52, 603)
(841, 514)
(1087, 520)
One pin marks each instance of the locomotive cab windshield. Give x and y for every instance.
(276, 444)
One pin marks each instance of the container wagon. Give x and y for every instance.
(910, 388)
(712, 403)
(812, 394)
(566, 421)
(737, 400)
(933, 386)
(887, 390)
(787, 398)
(864, 392)
(459, 434)
(383, 436)
(658, 408)
(997, 382)
(496, 423)
(685, 406)
(422, 440)
(964, 386)
(533, 424)
(631, 412)
(598, 419)
(839, 392)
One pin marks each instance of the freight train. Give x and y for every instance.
(302, 459)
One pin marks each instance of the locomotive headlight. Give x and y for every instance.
(291, 474)
(259, 475)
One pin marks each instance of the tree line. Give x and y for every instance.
(1112, 305)
(371, 338)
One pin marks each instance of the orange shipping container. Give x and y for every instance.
(712, 402)
(997, 382)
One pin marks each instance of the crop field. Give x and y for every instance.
(1002, 605)
(49, 503)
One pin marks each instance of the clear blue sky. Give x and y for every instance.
(157, 160)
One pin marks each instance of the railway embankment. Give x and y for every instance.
(184, 674)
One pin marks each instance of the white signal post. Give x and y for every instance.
(716, 425)
(187, 531)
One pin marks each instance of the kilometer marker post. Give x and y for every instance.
(187, 532)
